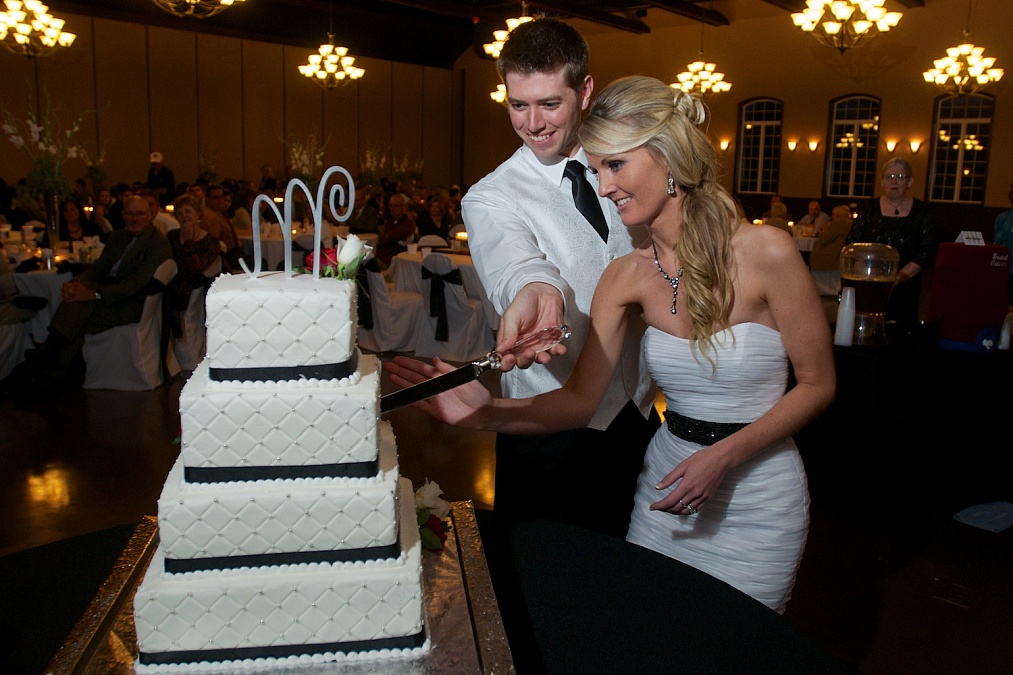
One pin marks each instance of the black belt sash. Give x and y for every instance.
(438, 299)
(385, 552)
(227, 474)
(282, 651)
(700, 431)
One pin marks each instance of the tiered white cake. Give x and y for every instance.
(285, 532)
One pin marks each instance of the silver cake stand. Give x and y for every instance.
(462, 615)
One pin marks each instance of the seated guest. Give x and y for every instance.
(109, 293)
(242, 216)
(194, 249)
(398, 230)
(778, 217)
(826, 253)
(813, 221)
(160, 218)
(73, 225)
(215, 221)
(366, 214)
(435, 219)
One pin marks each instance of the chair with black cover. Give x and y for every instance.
(396, 316)
(191, 345)
(455, 327)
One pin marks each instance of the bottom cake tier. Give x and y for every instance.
(285, 614)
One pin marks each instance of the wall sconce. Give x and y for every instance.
(890, 145)
(915, 145)
(813, 145)
(723, 145)
(792, 145)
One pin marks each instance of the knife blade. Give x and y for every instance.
(540, 341)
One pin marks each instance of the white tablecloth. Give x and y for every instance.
(44, 284)
(406, 273)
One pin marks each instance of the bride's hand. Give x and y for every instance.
(460, 406)
(699, 476)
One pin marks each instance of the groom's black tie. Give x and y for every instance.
(585, 198)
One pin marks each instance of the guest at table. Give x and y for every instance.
(160, 219)
(826, 253)
(73, 225)
(161, 179)
(778, 217)
(242, 217)
(1003, 236)
(398, 229)
(114, 212)
(194, 249)
(730, 308)
(366, 218)
(268, 183)
(434, 219)
(776, 199)
(111, 292)
(812, 223)
(905, 223)
(213, 220)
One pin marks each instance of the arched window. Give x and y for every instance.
(759, 156)
(853, 142)
(960, 147)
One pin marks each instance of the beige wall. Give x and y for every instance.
(190, 95)
(197, 97)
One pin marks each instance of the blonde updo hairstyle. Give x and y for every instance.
(634, 112)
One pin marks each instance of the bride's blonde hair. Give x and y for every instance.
(634, 112)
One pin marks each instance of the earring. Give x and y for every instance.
(671, 185)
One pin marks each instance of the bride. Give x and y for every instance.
(730, 307)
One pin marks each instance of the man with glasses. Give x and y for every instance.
(109, 293)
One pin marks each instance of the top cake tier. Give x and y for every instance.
(273, 328)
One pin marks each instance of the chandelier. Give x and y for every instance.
(331, 66)
(699, 77)
(964, 69)
(27, 28)
(197, 9)
(499, 36)
(844, 24)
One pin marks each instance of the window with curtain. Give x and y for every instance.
(853, 143)
(759, 156)
(962, 134)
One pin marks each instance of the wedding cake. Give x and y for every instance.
(286, 535)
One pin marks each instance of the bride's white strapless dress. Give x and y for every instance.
(752, 532)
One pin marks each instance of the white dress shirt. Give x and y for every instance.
(523, 227)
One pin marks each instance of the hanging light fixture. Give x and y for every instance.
(699, 77)
(499, 36)
(843, 24)
(331, 66)
(28, 29)
(195, 9)
(965, 69)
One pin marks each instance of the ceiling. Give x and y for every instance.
(425, 32)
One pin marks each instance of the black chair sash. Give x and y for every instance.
(364, 305)
(438, 299)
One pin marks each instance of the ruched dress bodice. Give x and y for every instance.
(752, 532)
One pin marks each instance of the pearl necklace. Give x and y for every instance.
(673, 282)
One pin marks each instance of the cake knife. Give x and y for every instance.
(540, 341)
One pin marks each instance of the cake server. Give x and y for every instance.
(540, 341)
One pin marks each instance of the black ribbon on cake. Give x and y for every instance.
(385, 552)
(438, 298)
(281, 651)
(324, 371)
(226, 474)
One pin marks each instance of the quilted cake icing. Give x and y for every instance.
(302, 427)
(287, 612)
(217, 525)
(270, 322)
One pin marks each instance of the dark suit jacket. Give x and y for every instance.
(123, 295)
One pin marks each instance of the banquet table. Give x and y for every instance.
(44, 284)
(406, 273)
